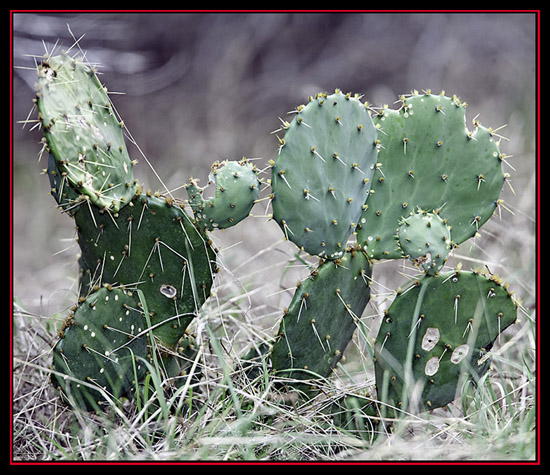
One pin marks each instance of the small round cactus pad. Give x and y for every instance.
(237, 188)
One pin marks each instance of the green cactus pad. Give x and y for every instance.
(426, 239)
(322, 318)
(101, 347)
(437, 334)
(429, 160)
(321, 177)
(82, 132)
(237, 188)
(152, 245)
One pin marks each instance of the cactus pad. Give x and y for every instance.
(82, 132)
(426, 239)
(101, 346)
(436, 334)
(429, 160)
(152, 245)
(321, 177)
(322, 317)
(237, 188)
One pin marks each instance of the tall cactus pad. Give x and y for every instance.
(322, 318)
(237, 188)
(321, 177)
(101, 349)
(152, 245)
(438, 333)
(428, 159)
(82, 132)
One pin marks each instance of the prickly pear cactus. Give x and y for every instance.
(83, 134)
(321, 177)
(437, 334)
(322, 318)
(429, 160)
(237, 188)
(150, 244)
(101, 349)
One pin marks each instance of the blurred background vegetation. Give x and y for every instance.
(200, 87)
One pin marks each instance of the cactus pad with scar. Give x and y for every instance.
(152, 245)
(438, 333)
